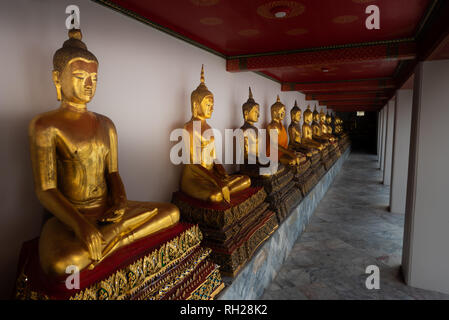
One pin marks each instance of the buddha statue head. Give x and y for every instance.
(295, 114)
(328, 118)
(202, 100)
(250, 109)
(316, 116)
(308, 115)
(322, 117)
(278, 110)
(75, 71)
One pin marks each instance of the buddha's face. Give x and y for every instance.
(78, 80)
(328, 120)
(278, 114)
(253, 115)
(205, 108)
(296, 117)
(322, 118)
(307, 117)
(316, 117)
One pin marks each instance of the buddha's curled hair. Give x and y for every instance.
(72, 48)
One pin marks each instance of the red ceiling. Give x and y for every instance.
(237, 27)
(321, 48)
(356, 70)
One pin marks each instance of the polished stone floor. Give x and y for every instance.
(350, 230)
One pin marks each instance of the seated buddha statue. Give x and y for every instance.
(204, 178)
(250, 110)
(252, 163)
(317, 129)
(338, 126)
(285, 156)
(330, 129)
(324, 127)
(307, 131)
(296, 142)
(74, 159)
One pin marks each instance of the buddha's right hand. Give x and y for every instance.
(92, 239)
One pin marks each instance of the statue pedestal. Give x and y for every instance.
(233, 231)
(168, 265)
(281, 188)
(326, 158)
(305, 177)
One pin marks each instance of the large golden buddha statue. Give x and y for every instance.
(74, 159)
(307, 131)
(203, 178)
(285, 156)
(296, 143)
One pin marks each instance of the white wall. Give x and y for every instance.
(426, 238)
(144, 85)
(401, 146)
(389, 141)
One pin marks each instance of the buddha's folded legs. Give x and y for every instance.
(200, 185)
(287, 160)
(238, 183)
(59, 247)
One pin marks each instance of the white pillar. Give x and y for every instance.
(381, 122)
(384, 122)
(378, 137)
(401, 146)
(425, 261)
(389, 141)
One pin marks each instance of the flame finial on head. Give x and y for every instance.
(250, 94)
(202, 74)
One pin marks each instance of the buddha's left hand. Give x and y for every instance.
(114, 214)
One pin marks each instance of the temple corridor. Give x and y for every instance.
(350, 230)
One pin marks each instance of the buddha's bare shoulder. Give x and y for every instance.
(44, 121)
(104, 120)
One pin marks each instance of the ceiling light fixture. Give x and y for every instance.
(325, 70)
(280, 11)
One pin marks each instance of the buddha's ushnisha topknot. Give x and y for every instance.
(72, 48)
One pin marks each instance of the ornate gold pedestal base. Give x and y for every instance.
(233, 231)
(166, 267)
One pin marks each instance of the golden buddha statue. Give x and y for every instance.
(307, 131)
(324, 127)
(285, 155)
(74, 159)
(317, 129)
(338, 126)
(296, 142)
(203, 178)
(250, 110)
(329, 124)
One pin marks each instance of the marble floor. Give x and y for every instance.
(350, 230)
